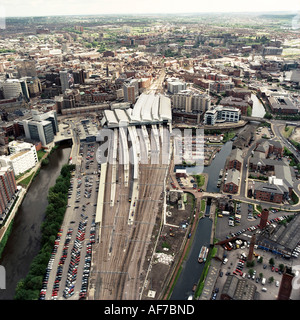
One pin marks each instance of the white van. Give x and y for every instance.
(263, 281)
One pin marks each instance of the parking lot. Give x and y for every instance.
(68, 270)
(261, 270)
(242, 224)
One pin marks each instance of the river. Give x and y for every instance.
(191, 269)
(24, 241)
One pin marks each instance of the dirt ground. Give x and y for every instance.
(168, 249)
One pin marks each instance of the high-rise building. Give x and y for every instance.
(64, 80)
(286, 287)
(8, 187)
(131, 90)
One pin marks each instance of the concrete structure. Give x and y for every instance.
(264, 218)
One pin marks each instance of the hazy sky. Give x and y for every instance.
(70, 7)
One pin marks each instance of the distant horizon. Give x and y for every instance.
(159, 13)
(46, 8)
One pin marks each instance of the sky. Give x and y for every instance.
(15, 8)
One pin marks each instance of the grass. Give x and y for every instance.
(40, 154)
(24, 183)
(200, 179)
(287, 132)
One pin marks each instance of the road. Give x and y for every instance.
(277, 126)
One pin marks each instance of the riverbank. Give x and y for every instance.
(24, 240)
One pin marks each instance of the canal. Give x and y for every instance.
(24, 241)
(258, 110)
(191, 268)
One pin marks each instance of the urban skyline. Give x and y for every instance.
(75, 7)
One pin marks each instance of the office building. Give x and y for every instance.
(8, 187)
(41, 127)
(190, 101)
(64, 81)
(222, 114)
(174, 85)
(131, 90)
(12, 88)
(22, 157)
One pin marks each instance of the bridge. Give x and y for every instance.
(247, 118)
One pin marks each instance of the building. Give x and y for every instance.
(41, 127)
(131, 90)
(235, 159)
(272, 51)
(235, 102)
(221, 86)
(238, 289)
(282, 105)
(222, 114)
(190, 101)
(8, 188)
(174, 85)
(64, 80)
(231, 185)
(12, 88)
(272, 191)
(270, 148)
(22, 158)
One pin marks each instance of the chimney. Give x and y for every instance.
(285, 288)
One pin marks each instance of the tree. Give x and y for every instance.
(271, 262)
(271, 279)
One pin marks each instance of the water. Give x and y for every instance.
(258, 109)
(191, 268)
(24, 241)
(214, 169)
